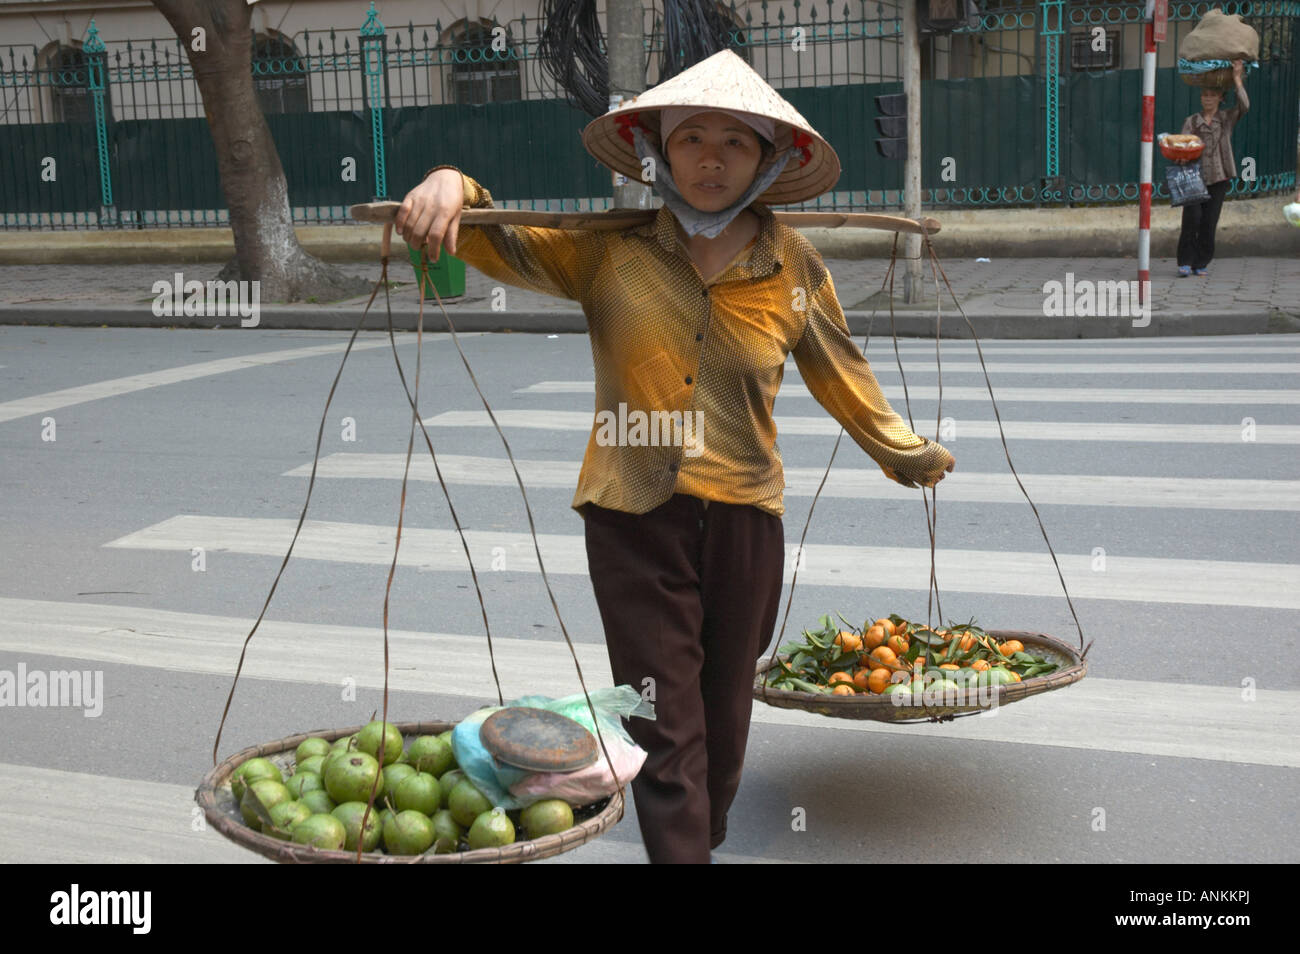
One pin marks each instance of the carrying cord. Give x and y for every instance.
(931, 505)
(415, 418)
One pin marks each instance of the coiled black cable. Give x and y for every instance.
(572, 50)
(693, 31)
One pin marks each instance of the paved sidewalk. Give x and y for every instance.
(1003, 297)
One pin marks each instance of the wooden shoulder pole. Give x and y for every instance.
(384, 212)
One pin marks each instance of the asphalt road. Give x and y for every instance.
(1165, 472)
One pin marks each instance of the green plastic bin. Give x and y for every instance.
(447, 274)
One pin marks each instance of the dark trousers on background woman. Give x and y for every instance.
(1200, 219)
(688, 596)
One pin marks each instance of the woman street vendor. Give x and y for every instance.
(1214, 127)
(691, 318)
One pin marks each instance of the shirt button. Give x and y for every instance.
(688, 379)
(699, 337)
(672, 467)
(704, 292)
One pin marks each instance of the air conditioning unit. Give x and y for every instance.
(944, 16)
(1094, 49)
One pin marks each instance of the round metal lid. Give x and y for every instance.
(538, 740)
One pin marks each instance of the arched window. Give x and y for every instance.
(482, 67)
(279, 75)
(69, 83)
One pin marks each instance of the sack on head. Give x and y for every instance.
(1220, 36)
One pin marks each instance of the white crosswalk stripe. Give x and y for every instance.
(142, 822)
(964, 428)
(1099, 490)
(53, 400)
(153, 822)
(1184, 721)
(881, 346)
(1113, 369)
(894, 393)
(1144, 579)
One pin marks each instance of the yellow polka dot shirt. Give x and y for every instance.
(687, 372)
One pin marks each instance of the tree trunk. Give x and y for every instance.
(252, 179)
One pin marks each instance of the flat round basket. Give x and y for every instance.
(941, 708)
(1214, 79)
(218, 803)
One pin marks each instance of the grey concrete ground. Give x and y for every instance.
(1141, 450)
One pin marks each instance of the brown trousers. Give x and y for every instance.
(688, 596)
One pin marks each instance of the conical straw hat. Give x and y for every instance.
(723, 81)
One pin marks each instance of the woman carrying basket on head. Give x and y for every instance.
(1214, 127)
(691, 318)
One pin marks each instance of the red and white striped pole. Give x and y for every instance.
(1148, 135)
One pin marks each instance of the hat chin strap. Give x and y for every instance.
(694, 221)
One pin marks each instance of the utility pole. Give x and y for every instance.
(913, 287)
(626, 45)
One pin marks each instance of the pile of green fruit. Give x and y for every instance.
(423, 802)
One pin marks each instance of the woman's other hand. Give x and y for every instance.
(931, 469)
(430, 213)
(935, 476)
(1238, 69)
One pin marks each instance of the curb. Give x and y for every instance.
(910, 323)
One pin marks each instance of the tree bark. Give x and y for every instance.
(252, 179)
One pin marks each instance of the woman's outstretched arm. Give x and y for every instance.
(557, 262)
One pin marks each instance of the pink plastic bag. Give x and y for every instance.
(588, 784)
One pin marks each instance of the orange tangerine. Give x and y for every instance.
(873, 637)
(860, 677)
(898, 644)
(887, 625)
(1011, 646)
(949, 666)
(980, 665)
(885, 655)
(849, 642)
(967, 642)
(843, 690)
(838, 677)
(878, 680)
(1015, 676)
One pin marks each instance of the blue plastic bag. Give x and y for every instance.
(495, 779)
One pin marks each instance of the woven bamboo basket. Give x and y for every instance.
(1215, 79)
(881, 708)
(214, 796)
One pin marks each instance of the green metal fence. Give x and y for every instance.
(1023, 110)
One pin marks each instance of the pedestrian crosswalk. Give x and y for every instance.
(1206, 717)
(1013, 395)
(963, 428)
(1142, 579)
(1100, 490)
(1219, 723)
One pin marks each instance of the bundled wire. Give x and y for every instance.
(573, 52)
(693, 31)
(571, 49)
